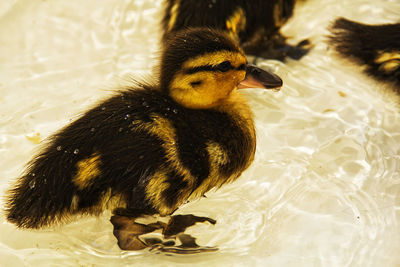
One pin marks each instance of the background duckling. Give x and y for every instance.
(255, 24)
(149, 148)
(376, 47)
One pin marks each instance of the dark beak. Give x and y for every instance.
(259, 78)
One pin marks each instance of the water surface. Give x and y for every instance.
(324, 189)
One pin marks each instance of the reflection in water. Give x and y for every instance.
(130, 234)
(324, 187)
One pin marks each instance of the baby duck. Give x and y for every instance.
(152, 147)
(254, 23)
(377, 47)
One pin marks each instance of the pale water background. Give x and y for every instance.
(324, 189)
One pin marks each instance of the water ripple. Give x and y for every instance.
(324, 189)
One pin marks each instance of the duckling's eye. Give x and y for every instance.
(241, 67)
(196, 83)
(224, 66)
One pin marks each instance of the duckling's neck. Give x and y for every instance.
(236, 106)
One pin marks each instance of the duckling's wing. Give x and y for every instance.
(102, 156)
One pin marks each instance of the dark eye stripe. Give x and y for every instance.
(196, 83)
(223, 67)
(241, 67)
(199, 68)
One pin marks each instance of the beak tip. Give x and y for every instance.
(257, 77)
(277, 85)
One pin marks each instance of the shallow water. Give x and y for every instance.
(324, 189)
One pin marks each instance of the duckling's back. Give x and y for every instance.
(254, 22)
(375, 47)
(139, 153)
(224, 14)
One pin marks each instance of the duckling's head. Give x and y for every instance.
(200, 67)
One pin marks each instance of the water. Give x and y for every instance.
(324, 189)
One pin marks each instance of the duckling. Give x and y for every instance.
(254, 23)
(377, 47)
(151, 147)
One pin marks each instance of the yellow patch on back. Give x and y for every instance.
(236, 23)
(217, 157)
(387, 56)
(173, 15)
(88, 169)
(238, 109)
(390, 66)
(389, 61)
(154, 192)
(217, 154)
(163, 128)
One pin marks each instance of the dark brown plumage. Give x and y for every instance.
(254, 23)
(149, 148)
(376, 47)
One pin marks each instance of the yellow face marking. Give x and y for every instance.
(386, 56)
(173, 15)
(88, 169)
(236, 23)
(213, 87)
(215, 58)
